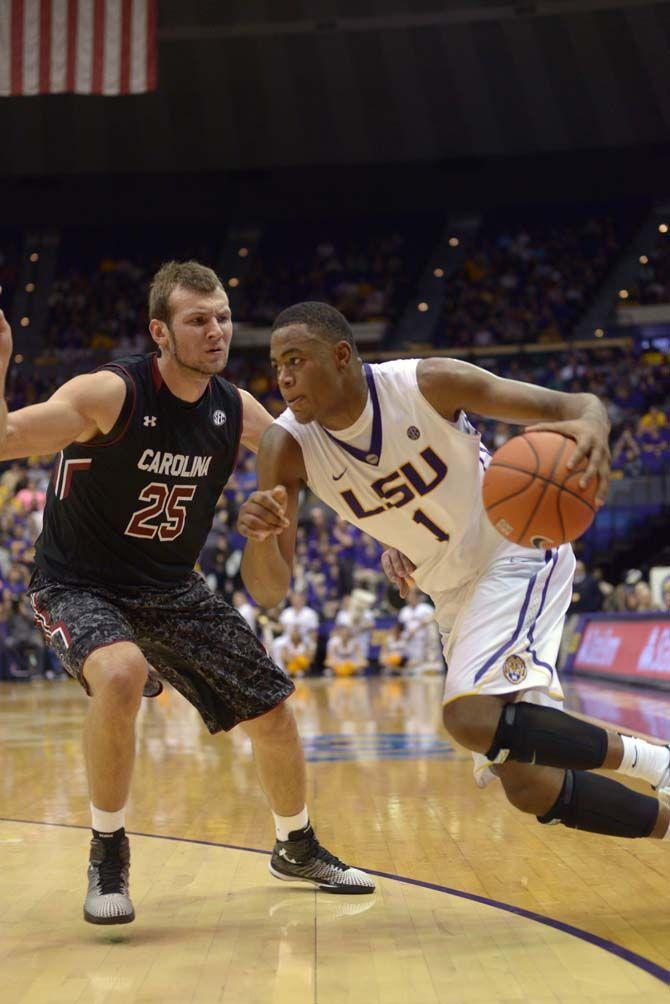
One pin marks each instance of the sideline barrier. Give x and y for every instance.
(632, 648)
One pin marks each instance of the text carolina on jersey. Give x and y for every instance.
(176, 464)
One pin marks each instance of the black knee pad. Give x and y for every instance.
(599, 805)
(548, 737)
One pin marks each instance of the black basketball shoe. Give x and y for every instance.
(301, 858)
(107, 900)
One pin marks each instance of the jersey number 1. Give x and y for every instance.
(161, 501)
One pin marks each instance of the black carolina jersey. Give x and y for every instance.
(132, 509)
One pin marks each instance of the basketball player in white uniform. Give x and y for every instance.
(390, 448)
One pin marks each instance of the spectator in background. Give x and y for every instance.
(244, 607)
(626, 456)
(344, 536)
(30, 498)
(301, 617)
(11, 476)
(642, 593)
(356, 614)
(654, 419)
(393, 654)
(655, 450)
(294, 652)
(586, 594)
(269, 627)
(665, 595)
(344, 653)
(420, 631)
(24, 643)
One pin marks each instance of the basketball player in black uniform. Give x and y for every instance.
(146, 445)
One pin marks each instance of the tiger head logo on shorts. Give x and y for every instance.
(514, 669)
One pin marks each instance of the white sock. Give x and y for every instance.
(644, 759)
(107, 822)
(287, 824)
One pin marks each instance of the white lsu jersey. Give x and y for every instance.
(412, 480)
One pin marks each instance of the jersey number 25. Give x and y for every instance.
(162, 502)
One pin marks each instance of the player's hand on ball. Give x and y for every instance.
(399, 569)
(263, 514)
(591, 436)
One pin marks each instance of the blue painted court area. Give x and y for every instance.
(375, 746)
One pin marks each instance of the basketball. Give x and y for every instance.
(531, 496)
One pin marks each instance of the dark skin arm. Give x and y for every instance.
(451, 385)
(269, 517)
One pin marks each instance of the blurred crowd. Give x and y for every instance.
(652, 281)
(343, 617)
(529, 283)
(515, 285)
(591, 593)
(367, 276)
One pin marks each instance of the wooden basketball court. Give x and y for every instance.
(475, 903)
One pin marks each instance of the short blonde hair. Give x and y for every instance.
(189, 274)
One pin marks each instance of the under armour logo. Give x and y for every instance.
(150, 420)
(282, 854)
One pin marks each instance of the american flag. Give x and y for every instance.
(77, 46)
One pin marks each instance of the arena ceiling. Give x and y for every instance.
(255, 84)
(203, 15)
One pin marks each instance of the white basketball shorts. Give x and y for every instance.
(503, 634)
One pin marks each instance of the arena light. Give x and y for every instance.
(643, 259)
(454, 242)
(438, 272)
(25, 321)
(243, 252)
(30, 287)
(34, 256)
(233, 282)
(423, 307)
(663, 228)
(599, 332)
(623, 294)
(18, 358)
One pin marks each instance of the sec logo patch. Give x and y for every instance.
(219, 417)
(514, 669)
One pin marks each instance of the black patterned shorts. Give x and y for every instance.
(192, 637)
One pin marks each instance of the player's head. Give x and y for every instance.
(313, 353)
(190, 316)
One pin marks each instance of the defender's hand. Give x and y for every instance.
(591, 437)
(398, 569)
(263, 514)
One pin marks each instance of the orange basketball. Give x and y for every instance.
(530, 495)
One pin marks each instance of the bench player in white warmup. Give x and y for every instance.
(390, 448)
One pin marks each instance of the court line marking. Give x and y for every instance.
(647, 965)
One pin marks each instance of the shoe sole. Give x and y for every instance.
(123, 919)
(338, 890)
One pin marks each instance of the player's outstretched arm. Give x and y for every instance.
(452, 385)
(269, 518)
(255, 420)
(79, 410)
